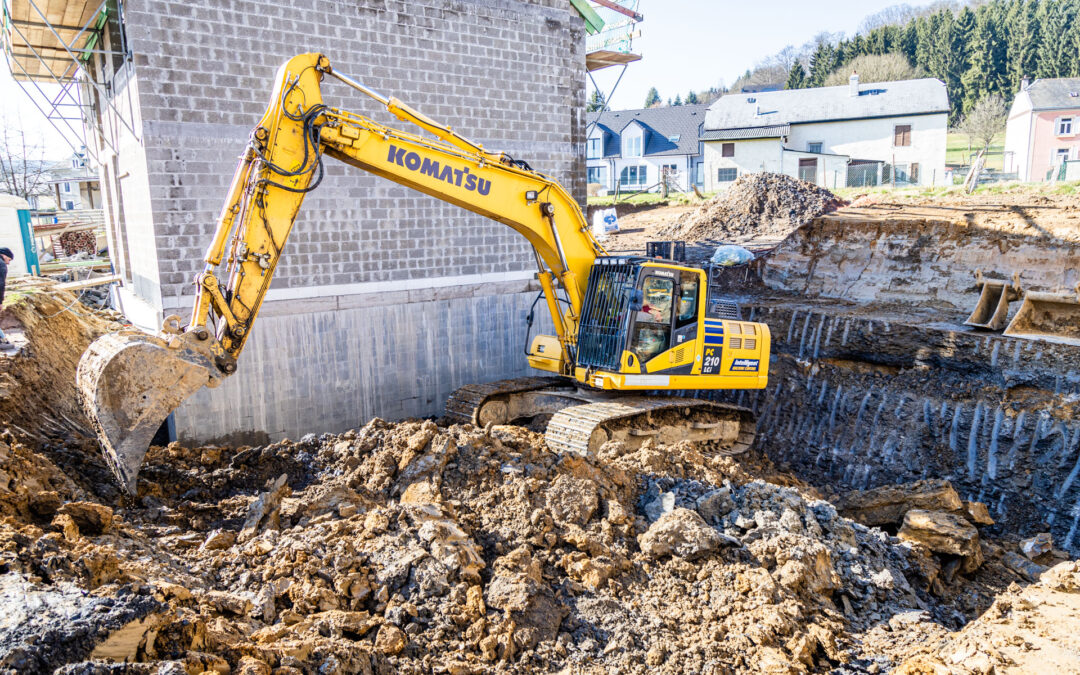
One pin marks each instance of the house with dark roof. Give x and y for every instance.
(632, 149)
(855, 135)
(1042, 135)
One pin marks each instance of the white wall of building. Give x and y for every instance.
(613, 167)
(1018, 137)
(865, 139)
(830, 170)
(751, 156)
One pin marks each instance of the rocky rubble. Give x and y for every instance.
(412, 547)
(756, 207)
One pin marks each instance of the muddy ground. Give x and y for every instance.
(423, 547)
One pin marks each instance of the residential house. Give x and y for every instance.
(631, 149)
(1043, 129)
(74, 184)
(854, 135)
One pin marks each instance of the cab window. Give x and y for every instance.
(652, 325)
(688, 299)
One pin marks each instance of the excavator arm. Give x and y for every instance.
(130, 382)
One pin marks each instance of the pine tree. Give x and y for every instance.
(1022, 39)
(595, 102)
(1055, 18)
(822, 62)
(959, 40)
(678, 100)
(796, 77)
(692, 98)
(987, 51)
(909, 42)
(652, 98)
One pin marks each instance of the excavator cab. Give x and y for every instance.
(653, 325)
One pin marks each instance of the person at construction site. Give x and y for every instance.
(6, 256)
(652, 329)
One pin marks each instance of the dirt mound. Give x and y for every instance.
(756, 207)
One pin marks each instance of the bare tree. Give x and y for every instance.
(23, 169)
(873, 68)
(985, 119)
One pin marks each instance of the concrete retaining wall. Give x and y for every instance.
(332, 365)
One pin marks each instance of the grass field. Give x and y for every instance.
(957, 152)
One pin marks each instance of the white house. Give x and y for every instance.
(633, 148)
(1042, 134)
(75, 185)
(854, 135)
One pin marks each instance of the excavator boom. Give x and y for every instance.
(129, 384)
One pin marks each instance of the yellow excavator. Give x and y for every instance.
(629, 331)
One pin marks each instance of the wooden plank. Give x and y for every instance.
(614, 6)
(87, 283)
(604, 59)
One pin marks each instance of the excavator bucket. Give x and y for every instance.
(130, 382)
(992, 311)
(1048, 316)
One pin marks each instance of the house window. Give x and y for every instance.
(632, 146)
(67, 187)
(1061, 156)
(814, 147)
(727, 150)
(632, 176)
(594, 149)
(726, 175)
(902, 135)
(598, 174)
(808, 170)
(1064, 126)
(69, 205)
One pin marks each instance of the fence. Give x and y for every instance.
(1068, 170)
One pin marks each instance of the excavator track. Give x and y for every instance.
(582, 429)
(463, 406)
(582, 420)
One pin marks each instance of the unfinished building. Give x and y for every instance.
(386, 300)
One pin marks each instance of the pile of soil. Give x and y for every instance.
(757, 207)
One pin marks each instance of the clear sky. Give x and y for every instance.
(685, 44)
(696, 44)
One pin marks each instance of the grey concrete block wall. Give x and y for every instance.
(329, 371)
(507, 73)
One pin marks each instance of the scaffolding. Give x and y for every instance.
(56, 51)
(611, 42)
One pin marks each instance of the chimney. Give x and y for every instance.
(1025, 83)
(853, 84)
